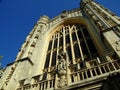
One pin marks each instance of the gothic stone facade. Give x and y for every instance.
(77, 50)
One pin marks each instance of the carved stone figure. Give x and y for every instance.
(62, 70)
(62, 64)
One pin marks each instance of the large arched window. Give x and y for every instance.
(73, 39)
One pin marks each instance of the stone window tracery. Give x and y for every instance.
(73, 39)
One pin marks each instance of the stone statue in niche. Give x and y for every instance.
(62, 64)
(62, 69)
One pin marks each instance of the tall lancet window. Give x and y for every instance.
(73, 39)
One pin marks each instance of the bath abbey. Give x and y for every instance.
(78, 49)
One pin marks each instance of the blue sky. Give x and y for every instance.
(17, 18)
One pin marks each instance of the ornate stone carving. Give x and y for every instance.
(62, 64)
(62, 69)
(64, 14)
(62, 82)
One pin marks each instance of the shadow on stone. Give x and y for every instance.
(112, 83)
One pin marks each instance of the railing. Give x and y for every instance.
(94, 71)
(41, 85)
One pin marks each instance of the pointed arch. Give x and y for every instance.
(71, 36)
